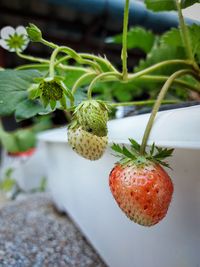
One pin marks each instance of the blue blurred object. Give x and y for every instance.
(139, 15)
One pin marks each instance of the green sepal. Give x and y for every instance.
(38, 79)
(68, 94)
(34, 33)
(52, 104)
(34, 91)
(63, 102)
(44, 101)
(156, 154)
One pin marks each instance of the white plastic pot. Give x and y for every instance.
(80, 188)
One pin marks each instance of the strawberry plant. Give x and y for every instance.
(138, 182)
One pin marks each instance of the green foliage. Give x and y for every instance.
(13, 93)
(169, 46)
(72, 76)
(194, 32)
(137, 37)
(166, 5)
(173, 38)
(28, 109)
(18, 141)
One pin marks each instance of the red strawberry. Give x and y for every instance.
(141, 187)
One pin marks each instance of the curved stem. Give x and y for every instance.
(65, 58)
(162, 78)
(113, 75)
(184, 32)
(91, 63)
(73, 68)
(156, 107)
(158, 66)
(124, 41)
(99, 59)
(30, 58)
(59, 49)
(80, 81)
(49, 44)
(32, 66)
(142, 103)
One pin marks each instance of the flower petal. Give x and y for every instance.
(24, 47)
(4, 44)
(21, 30)
(7, 31)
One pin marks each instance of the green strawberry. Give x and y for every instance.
(92, 116)
(86, 144)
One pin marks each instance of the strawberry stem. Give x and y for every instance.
(59, 49)
(184, 32)
(30, 58)
(142, 103)
(108, 76)
(158, 66)
(124, 42)
(49, 44)
(156, 107)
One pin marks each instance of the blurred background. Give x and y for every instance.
(85, 26)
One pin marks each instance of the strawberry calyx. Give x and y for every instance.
(50, 90)
(133, 155)
(92, 116)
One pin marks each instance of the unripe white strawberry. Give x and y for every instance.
(87, 145)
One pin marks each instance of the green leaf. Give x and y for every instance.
(165, 5)
(194, 32)
(159, 54)
(173, 38)
(122, 95)
(13, 88)
(137, 37)
(28, 109)
(72, 76)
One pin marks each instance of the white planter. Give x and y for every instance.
(80, 187)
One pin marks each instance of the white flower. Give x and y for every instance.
(14, 39)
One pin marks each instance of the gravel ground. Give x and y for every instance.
(33, 233)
